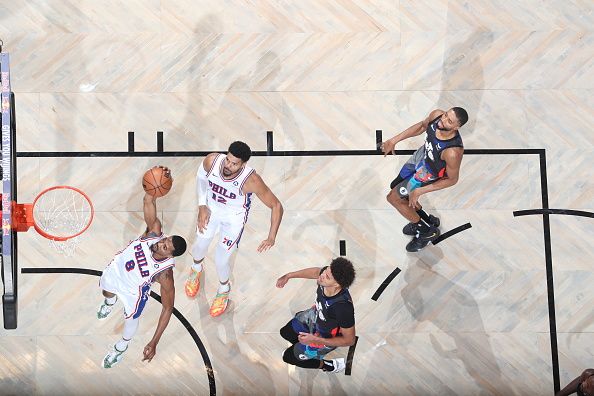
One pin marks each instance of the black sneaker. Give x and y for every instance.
(411, 228)
(422, 240)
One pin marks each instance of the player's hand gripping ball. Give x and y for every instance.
(157, 181)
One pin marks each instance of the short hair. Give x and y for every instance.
(179, 245)
(240, 150)
(461, 115)
(343, 272)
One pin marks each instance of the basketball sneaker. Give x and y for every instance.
(422, 239)
(113, 357)
(193, 283)
(219, 305)
(338, 364)
(411, 228)
(105, 309)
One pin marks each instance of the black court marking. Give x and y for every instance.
(269, 143)
(568, 212)
(453, 232)
(176, 313)
(549, 270)
(350, 356)
(84, 271)
(311, 153)
(342, 247)
(385, 284)
(130, 142)
(378, 139)
(160, 141)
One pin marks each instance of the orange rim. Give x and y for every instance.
(57, 238)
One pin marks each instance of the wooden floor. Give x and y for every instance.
(468, 316)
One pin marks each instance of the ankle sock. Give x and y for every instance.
(197, 267)
(424, 216)
(224, 288)
(111, 300)
(121, 345)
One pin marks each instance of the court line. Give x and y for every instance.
(452, 232)
(176, 313)
(385, 284)
(130, 142)
(305, 153)
(549, 270)
(568, 212)
(350, 356)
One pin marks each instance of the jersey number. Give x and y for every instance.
(219, 199)
(130, 265)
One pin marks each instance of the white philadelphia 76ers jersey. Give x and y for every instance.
(135, 265)
(227, 194)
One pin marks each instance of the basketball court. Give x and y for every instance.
(500, 306)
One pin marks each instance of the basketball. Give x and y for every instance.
(157, 182)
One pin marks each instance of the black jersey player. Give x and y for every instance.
(434, 166)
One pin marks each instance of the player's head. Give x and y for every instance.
(452, 119)
(238, 154)
(172, 246)
(340, 273)
(179, 245)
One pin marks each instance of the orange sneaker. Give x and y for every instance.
(193, 283)
(219, 305)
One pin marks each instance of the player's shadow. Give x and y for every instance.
(229, 359)
(343, 220)
(430, 296)
(462, 70)
(263, 80)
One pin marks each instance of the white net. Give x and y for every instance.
(61, 214)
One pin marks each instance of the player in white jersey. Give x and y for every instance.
(225, 185)
(129, 277)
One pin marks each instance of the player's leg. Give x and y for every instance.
(199, 250)
(107, 305)
(134, 303)
(107, 282)
(422, 230)
(294, 355)
(116, 354)
(231, 231)
(288, 333)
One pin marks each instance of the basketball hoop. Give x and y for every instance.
(60, 214)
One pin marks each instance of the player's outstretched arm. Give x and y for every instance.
(414, 130)
(153, 224)
(307, 273)
(256, 185)
(167, 300)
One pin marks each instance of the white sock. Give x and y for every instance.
(197, 266)
(111, 300)
(224, 288)
(121, 345)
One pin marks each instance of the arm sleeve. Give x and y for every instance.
(201, 185)
(345, 314)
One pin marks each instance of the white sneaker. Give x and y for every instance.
(105, 309)
(113, 357)
(338, 364)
